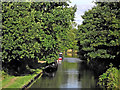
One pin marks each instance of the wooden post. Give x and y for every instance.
(73, 52)
(65, 52)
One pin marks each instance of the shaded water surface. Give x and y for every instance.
(71, 73)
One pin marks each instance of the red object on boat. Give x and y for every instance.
(60, 58)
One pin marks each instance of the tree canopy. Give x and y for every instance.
(33, 31)
(99, 35)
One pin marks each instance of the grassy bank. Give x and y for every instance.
(17, 81)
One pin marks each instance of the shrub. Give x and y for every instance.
(110, 78)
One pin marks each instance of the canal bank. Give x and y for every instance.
(33, 80)
(20, 81)
(71, 73)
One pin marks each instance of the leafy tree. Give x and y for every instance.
(56, 19)
(99, 35)
(31, 32)
(17, 42)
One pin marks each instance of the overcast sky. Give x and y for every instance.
(82, 6)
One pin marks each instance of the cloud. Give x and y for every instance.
(82, 6)
(81, 2)
(80, 11)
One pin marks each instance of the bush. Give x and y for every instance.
(110, 78)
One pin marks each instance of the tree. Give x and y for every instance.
(31, 32)
(99, 35)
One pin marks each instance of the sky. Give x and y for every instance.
(82, 6)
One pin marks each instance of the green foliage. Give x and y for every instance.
(111, 78)
(99, 40)
(34, 30)
(70, 39)
(99, 35)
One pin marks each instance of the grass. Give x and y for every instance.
(17, 81)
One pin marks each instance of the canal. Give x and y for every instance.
(71, 73)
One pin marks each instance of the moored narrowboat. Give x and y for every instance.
(50, 67)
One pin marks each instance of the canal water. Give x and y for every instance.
(71, 73)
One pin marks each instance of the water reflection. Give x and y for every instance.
(50, 75)
(86, 76)
(71, 73)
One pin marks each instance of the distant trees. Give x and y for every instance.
(71, 38)
(32, 31)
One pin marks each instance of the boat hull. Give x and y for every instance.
(51, 67)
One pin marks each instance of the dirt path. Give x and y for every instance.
(11, 82)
